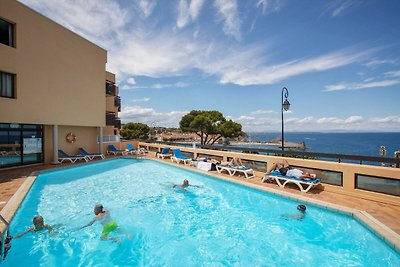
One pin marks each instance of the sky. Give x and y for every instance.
(339, 59)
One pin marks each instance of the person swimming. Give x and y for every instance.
(299, 216)
(38, 225)
(109, 225)
(184, 185)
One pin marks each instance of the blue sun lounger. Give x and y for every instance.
(112, 150)
(91, 156)
(178, 157)
(283, 180)
(72, 159)
(130, 149)
(164, 153)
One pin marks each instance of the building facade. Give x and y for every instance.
(53, 89)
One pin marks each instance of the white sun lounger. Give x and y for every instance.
(179, 157)
(72, 159)
(304, 184)
(233, 169)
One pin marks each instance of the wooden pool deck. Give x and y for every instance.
(388, 214)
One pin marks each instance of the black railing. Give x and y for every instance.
(299, 154)
(110, 119)
(117, 102)
(110, 89)
(117, 123)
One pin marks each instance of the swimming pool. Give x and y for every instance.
(217, 224)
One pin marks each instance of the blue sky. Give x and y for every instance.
(339, 59)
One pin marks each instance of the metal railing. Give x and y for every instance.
(3, 238)
(300, 154)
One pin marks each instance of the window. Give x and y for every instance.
(6, 33)
(6, 84)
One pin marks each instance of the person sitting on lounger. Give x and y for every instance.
(285, 170)
(298, 216)
(38, 225)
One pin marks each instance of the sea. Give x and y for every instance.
(361, 144)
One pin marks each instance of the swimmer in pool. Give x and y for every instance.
(109, 225)
(299, 216)
(38, 225)
(185, 184)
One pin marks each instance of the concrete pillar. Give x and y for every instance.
(55, 144)
(101, 139)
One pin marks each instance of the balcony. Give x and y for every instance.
(110, 89)
(110, 119)
(117, 123)
(117, 103)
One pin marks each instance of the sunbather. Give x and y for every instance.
(285, 170)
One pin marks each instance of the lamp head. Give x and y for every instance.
(286, 105)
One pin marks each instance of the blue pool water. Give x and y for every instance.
(217, 224)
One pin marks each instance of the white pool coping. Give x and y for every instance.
(391, 238)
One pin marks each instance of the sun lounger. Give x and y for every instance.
(130, 149)
(112, 150)
(178, 157)
(72, 159)
(231, 170)
(304, 184)
(164, 153)
(91, 156)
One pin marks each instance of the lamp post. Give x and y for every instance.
(285, 106)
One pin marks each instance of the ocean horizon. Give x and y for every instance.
(351, 143)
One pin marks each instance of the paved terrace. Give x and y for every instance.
(388, 214)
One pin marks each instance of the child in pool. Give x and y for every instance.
(38, 225)
(109, 225)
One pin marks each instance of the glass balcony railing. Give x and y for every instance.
(110, 119)
(110, 89)
(117, 102)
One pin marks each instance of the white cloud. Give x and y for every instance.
(377, 62)
(161, 86)
(269, 6)
(149, 116)
(309, 123)
(339, 7)
(257, 73)
(228, 14)
(188, 11)
(131, 81)
(393, 74)
(353, 119)
(263, 111)
(145, 99)
(147, 6)
(388, 119)
(357, 86)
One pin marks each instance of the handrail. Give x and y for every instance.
(2, 241)
(317, 155)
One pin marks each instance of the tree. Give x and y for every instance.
(133, 130)
(210, 126)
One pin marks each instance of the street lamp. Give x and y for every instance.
(285, 106)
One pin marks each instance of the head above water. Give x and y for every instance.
(185, 182)
(98, 209)
(302, 208)
(38, 220)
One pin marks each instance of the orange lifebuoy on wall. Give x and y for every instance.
(71, 138)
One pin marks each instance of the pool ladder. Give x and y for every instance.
(4, 240)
